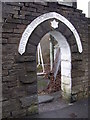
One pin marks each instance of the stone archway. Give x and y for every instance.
(31, 27)
(34, 33)
(64, 63)
(19, 78)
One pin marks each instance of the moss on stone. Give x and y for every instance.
(33, 109)
(66, 96)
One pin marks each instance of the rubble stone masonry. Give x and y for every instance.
(19, 79)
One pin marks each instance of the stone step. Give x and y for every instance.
(45, 99)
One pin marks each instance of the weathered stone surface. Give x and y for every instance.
(33, 9)
(45, 99)
(46, 27)
(19, 113)
(30, 17)
(6, 15)
(34, 39)
(9, 49)
(17, 16)
(18, 66)
(18, 30)
(4, 72)
(33, 109)
(66, 96)
(66, 88)
(12, 84)
(19, 72)
(4, 41)
(9, 78)
(78, 88)
(80, 80)
(74, 49)
(18, 21)
(66, 80)
(7, 30)
(78, 73)
(31, 49)
(17, 92)
(6, 114)
(28, 79)
(9, 25)
(77, 65)
(10, 93)
(11, 105)
(39, 31)
(16, 4)
(20, 26)
(67, 33)
(31, 89)
(23, 12)
(25, 58)
(28, 101)
(7, 9)
(15, 72)
(77, 57)
(8, 35)
(8, 65)
(31, 66)
(61, 27)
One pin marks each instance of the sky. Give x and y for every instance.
(83, 5)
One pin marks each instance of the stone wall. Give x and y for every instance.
(89, 55)
(19, 79)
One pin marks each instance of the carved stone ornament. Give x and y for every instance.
(54, 24)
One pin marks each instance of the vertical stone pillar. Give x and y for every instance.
(66, 79)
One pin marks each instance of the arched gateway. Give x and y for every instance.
(31, 27)
(31, 30)
(66, 25)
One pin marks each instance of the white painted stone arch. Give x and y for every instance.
(65, 55)
(31, 27)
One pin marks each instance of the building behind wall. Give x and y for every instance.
(19, 80)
